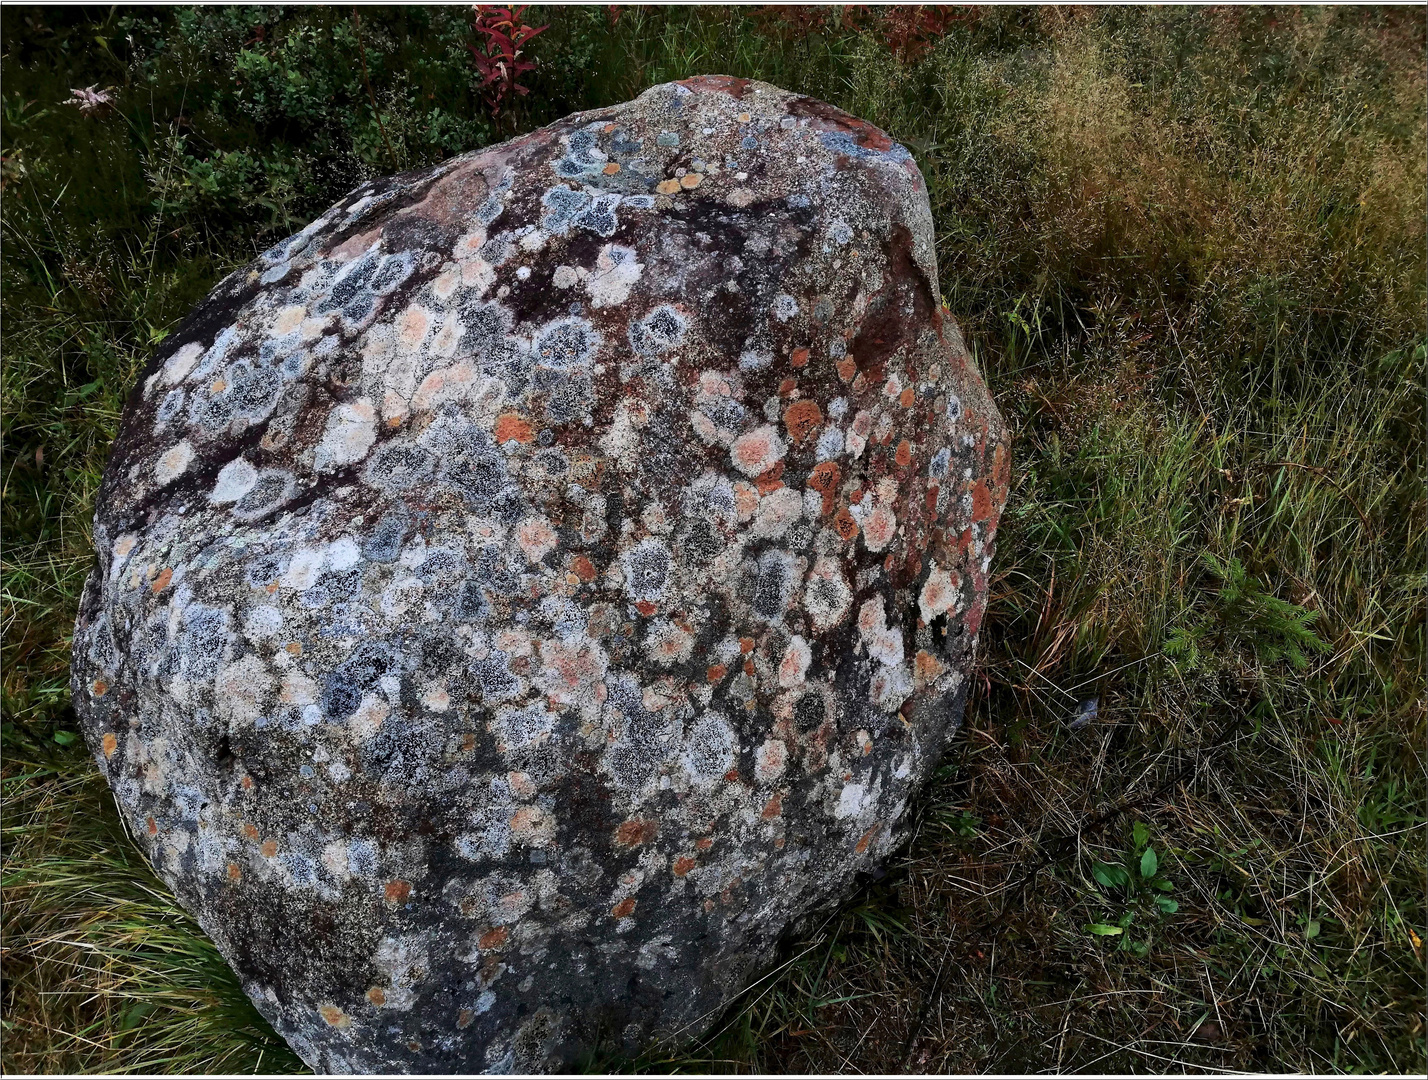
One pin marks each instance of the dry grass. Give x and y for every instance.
(104, 971)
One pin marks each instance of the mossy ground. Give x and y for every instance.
(1188, 248)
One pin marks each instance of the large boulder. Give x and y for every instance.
(538, 585)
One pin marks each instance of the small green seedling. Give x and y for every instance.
(1140, 879)
(967, 824)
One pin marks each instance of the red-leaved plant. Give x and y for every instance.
(499, 59)
(909, 30)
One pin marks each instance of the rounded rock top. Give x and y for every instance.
(531, 590)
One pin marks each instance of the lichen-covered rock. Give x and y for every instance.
(530, 590)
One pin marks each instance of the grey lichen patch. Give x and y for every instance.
(530, 590)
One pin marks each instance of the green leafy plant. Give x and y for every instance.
(1136, 882)
(966, 824)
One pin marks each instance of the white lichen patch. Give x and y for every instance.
(617, 269)
(173, 463)
(350, 433)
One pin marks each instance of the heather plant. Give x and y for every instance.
(1188, 248)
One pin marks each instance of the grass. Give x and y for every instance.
(1188, 246)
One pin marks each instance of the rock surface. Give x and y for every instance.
(532, 589)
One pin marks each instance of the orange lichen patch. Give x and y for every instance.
(757, 451)
(1001, 467)
(866, 135)
(847, 368)
(861, 846)
(879, 528)
(294, 648)
(269, 848)
(394, 422)
(583, 567)
(468, 741)
(247, 783)
(464, 1018)
(100, 688)
(624, 908)
(234, 874)
(732, 776)
(844, 523)
(522, 785)
(218, 386)
(732, 85)
(690, 181)
(931, 500)
(904, 454)
(334, 1016)
(716, 672)
(512, 426)
(981, 501)
(824, 479)
(773, 808)
(412, 325)
(250, 831)
(769, 482)
(668, 187)
(493, 939)
(746, 500)
(162, 581)
(611, 168)
(397, 891)
(787, 387)
(683, 865)
(798, 358)
(749, 669)
(377, 996)
(110, 743)
(746, 645)
(635, 832)
(802, 419)
(907, 397)
(153, 827)
(355, 245)
(527, 821)
(646, 608)
(926, 667)
(707, 842)
(609, 127)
